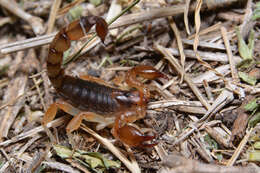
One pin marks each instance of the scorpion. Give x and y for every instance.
(92, 99)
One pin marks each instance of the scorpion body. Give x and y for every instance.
(89, 95)
(91, 98)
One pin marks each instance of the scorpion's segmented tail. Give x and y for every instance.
(61, 43)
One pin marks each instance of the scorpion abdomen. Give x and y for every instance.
(89, 95)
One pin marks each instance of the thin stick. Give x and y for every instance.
(230, 56)
(40, 94)
(52, 17)
(179, 43)
(186, 19)
(240, 147)
(212, 28)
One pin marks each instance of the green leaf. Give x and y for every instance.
(251, 42)
(248, 79)
(254, 156)
(245, 51)
(95, 2)
(251, 106)
(245, 63)
(242, 47)
(257, 145)
(219, 156)
(256, 13)
(1, 164)
(96, 161)
(75, 13)
(107, 163)
(4, 69)
(62, 151)
(211, 142)
(254, 120)
(255, 137)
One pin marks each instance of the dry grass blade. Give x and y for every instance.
(214, 27)
(208, 90)
(244, 27)
(239, 148)
(168, 103)
(4, 167)
(179, 43)
(54, 10)
(230, 56)
(186, 13)
(207, 44)
(207, 56)
(197, 27)
(5, 20)
(40, 94)
(114, 9)
(26, 44)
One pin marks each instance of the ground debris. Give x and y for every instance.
(205, 111)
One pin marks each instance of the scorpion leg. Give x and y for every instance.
(147, 72)
(78, 116)
(75, 122)
(52, 111)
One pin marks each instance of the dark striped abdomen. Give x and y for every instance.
(89, 96)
